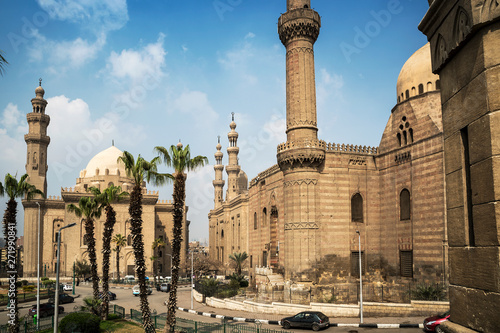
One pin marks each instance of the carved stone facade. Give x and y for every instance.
(465, 43)
(300, 216)
(101, 171)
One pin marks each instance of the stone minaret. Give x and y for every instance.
(232, 168)
(218, 182)
(37, 142)
(301, 157)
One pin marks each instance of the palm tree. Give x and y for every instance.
(14, 189)
(158, 243)
(180, 159)
(105, 199)
(2, 63)
(120, 242)
(82, 268)
(238, 260)
(140, 170)
(90, 209)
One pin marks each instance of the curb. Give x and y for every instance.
(276, 322)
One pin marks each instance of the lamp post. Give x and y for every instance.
(73, 277)
(38, 272)
(191, 280)
(360, 279)
(56, 297)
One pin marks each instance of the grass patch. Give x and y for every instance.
(120, 325)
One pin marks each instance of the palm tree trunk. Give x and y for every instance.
(89, 234)
(179, 196)
(10, 234)
(118, 263)
(106, 253)
(135, 211)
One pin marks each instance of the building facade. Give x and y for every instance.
(301, 217)
(101, 171)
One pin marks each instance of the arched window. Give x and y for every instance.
(407, 94)
(255, 224)
(357, 208)
(264, 216)
(420, 88)
(429, 86)
(222, 233)
(413, 91)
(405, 138)
(129, 240)
(404, 205)
(411, 135)
(399, 138)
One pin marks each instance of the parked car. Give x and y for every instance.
(46, 309)
(136, 290)
(63, 298)
(68, 287)
(112, 295)
(165, 287)
(307, 319)
(129, 279)
(431, 323)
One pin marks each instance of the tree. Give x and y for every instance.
(90, 209)
(3, 62)
(238, 260)
(105, 199)
(140, 170)
(180, 159)
(158, 243)
(120, 242)
(82, 269)
(14, 189)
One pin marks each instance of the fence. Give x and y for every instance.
(29, 325)
(26, 297)
(191, 326)
(119, 311)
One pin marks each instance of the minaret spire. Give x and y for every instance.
(218, 182)
(232, 168)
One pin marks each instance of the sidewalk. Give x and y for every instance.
(184, 301)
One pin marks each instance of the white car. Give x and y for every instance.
(67, 287)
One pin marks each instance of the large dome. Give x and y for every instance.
(105, 160)
(416, 76)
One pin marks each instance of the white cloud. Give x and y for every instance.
(96, 15)
(328, 88)
(136, 65)
(196, 105)
(250, 35)
(11, 116)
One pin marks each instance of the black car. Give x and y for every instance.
(46, 309)
(63, 298)
(307, 319)
(112, 295)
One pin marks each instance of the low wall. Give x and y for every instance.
(370, 309)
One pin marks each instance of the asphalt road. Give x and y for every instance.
(157, 302)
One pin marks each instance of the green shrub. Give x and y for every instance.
(113, 316)
(24, 282)
(243, 283)
(28, 289)
(428, 292)
(80, 322)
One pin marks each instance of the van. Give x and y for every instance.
(128, 278)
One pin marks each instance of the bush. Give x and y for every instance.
(24, 282)
(28, 289)
(425, 292)
(80, 322)
(244, 284)
(113, 316)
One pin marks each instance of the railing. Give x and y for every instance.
(119, 311)
(26, 297)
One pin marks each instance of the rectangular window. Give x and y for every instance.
(464, 132)
(251, 261)
(355, 263)
(406, 263)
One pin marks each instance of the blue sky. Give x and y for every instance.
(163, 70)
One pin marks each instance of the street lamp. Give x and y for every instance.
(191, 280)
(56, 297)
(38, 273)
(360, 279)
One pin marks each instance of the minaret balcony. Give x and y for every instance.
(232, 168)
(299, 23)
(233, 150)
(36, 138)
(38, 117)
(305, 152)
(219, 182)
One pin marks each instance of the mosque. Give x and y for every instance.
(308, 219)
(102, 171)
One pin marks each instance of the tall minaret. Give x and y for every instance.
(232, 168)
(218, 182)
(302, 156)
(37, 142)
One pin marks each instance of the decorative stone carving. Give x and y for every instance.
(357, 160)
(441, 51)
(490, 10)
(462, 26)
(296, 50)
(403, 157)
(299, 23)
(300, 182)
(301, 225)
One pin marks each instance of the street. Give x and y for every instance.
(157, 300)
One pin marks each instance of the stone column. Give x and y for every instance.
(465, 46)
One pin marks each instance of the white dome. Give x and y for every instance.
(106, 159)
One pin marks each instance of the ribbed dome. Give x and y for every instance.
(416, 76)
(106, 159)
